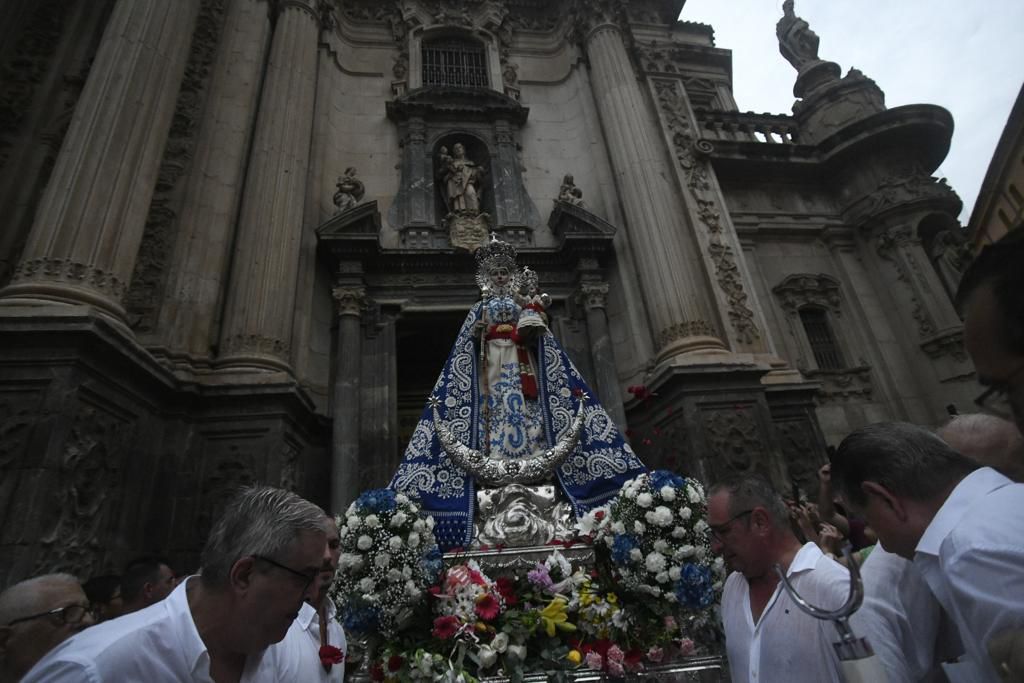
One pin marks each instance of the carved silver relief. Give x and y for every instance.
(519, 516)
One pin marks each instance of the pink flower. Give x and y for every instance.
(686, 647)
(655, 654)
(615, 669)
(487, 607)
(670, 623)
(594, 661)
(615, 654)
(446, 627)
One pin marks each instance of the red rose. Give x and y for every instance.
(634, 660)
(331, 655)
(487, 607)
(395, 663)
(446, 627)
(376, 672)
(599, 515)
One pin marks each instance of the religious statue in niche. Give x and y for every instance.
(569, 193)
(350, 191)
(462, 190)
(510, 415)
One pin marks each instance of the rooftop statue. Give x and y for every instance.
(511, 410)
(797, 42)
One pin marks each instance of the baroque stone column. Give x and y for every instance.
(351, 299)
(669, 264)
(256, 333)
(89, 224)
(594, 297)
(200, 260)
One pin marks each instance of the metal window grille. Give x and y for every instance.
(823, 342)
(455, 63)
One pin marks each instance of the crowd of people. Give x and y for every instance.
(934, 517)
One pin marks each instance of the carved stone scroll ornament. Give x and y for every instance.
(533, 469)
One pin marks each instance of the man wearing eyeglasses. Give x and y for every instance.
(36, 616)
(261, 561)
(767, 637)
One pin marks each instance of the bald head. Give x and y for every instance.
(32, 596)
(990, 440)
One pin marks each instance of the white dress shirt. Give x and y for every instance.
(158, 644)
(786, 645)
(901, 619)
(972, 556)
(303, 644)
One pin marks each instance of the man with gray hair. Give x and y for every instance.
(958, 522)
(37, 615)
(261, 560)
(992, 441)
(767, 637)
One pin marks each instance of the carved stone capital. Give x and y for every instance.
(690, 328)
(594, 295)
(350, 300)
(70, 272)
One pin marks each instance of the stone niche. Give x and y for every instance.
(487, 123)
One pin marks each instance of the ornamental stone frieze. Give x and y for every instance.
(946, 344)
(908, 188)
(255, 343)
(849, 384)
(594, 295)
(65, 270)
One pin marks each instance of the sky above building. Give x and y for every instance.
(965, 56)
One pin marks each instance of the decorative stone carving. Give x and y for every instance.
(896, 245)
(733, 438)
(89, 477)
(691, 328)
(804, 289)
(904, 186)
(16, 421)
(72, 272)
(229, 468)
(144, 293)
(593, 295)
(801, 451)
(289, 467)
(240, 343)
(950, 254)
(692, 156)
(520, 516)
(569, 193)
(462, 190)
(350, 191)
(946, 344)
(842, 385)
(350, 300)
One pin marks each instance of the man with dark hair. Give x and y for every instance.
(261, 560)
(146, 580)
(957, 521)
(991, 297)
(104, 593)
(767, 637)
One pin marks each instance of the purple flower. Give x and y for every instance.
(540, 577)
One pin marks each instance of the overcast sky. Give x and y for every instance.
(966, 56)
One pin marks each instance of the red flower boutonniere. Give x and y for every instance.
(330, 655)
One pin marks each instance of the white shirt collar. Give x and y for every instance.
(805, 559)
(307, 613)
(974, 486)
(193, 649)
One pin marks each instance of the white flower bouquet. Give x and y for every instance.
(389, 558)
(656, 537)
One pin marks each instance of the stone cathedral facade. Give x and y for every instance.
(234, 248)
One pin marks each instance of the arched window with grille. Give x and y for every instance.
(827, 355)
(454, 61)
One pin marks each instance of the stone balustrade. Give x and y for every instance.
(747, 127)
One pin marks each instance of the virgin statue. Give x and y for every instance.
(462, 180)
(509, 410)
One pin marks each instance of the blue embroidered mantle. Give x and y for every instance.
(601, 462)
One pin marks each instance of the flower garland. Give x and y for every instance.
(389, 557)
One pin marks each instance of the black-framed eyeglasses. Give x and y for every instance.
(306, 578)
(996, 399)
(719, 530)
(69, 614)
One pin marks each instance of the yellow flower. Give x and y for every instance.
(612, 598)
(554, 616)
(480, 627)
(574, 656)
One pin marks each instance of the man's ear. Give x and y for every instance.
(5, 634)
(886, 498)
(147, 590)
(240, 574)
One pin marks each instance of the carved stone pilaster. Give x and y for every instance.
(897, 246)
(349, 300)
